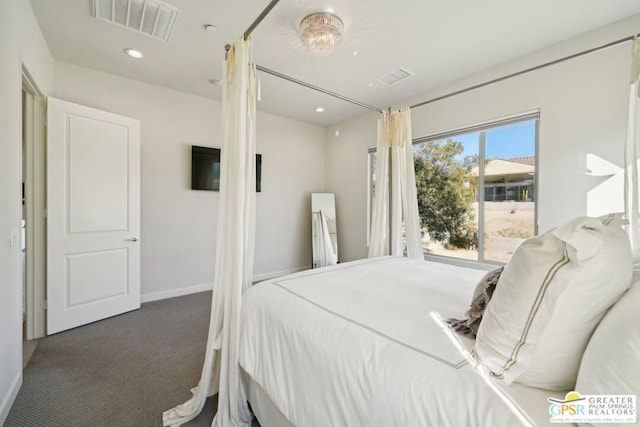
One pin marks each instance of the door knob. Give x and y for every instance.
(133, 239)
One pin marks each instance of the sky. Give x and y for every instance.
(506, 142)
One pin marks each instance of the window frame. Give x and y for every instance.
(481, 129)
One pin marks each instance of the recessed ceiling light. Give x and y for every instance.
(133, 53)
(370, 84)
(355, 53)
(337, 133)
(319, 110)
(211, 28)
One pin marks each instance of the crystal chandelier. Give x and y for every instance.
(321, 32)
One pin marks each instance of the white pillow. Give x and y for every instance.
(611, 360)
(550, 297)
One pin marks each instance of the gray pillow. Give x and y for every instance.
(481, 296)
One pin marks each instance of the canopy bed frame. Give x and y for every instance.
(398, 366)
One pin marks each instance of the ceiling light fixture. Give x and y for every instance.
(321, 32)
(133, 53)
(211, 28)
(319, 110)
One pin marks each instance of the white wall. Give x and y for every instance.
(346, 164)
(21, 43)
(178, 225)
(582, 104)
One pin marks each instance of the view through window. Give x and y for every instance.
(476, 189)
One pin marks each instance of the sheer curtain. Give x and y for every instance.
(234, 250)
(395, 204)
(631, 152)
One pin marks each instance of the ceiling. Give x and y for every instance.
(438, 40)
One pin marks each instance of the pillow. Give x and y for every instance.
(610, 362)
(550, 297)
(481, 296)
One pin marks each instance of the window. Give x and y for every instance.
(476, 189)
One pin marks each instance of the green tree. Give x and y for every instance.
(446, 189)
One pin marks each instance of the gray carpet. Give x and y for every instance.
(123, 371)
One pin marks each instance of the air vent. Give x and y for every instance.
(395, 76)
(151, 17)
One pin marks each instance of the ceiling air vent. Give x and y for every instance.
(151, 17)
(395, 76)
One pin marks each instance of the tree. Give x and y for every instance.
(446, 189)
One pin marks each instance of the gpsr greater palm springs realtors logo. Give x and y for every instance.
(597, 408)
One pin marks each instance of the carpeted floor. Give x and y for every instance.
(123, 371)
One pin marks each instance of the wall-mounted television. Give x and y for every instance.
(205, 169)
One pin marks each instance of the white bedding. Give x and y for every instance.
(354, 345)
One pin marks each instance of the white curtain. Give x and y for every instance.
(234, 250)
(631, 152)
(395, 203)
(323, 251)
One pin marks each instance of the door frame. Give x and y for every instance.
(34, 128)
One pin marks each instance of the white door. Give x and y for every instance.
(93, 212)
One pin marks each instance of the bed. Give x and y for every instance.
(357, 345)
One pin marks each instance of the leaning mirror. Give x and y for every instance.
(324, 230)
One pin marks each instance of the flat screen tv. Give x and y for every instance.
(205, 169)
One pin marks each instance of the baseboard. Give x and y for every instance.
(10, 397)
(172, 293)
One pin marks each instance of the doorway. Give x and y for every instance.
(28, 345)
(33, 203)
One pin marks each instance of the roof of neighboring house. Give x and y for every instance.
(528, 160)
(514, 166)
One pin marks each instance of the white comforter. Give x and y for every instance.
(355, 345)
